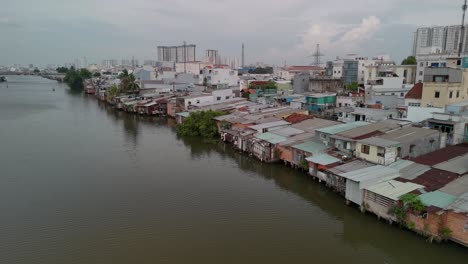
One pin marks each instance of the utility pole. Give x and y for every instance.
(185, 57)
(462, 33)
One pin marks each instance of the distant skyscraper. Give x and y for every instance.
(243, 58)
(439, 39)
(183, 53)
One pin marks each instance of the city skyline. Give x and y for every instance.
(52, 32)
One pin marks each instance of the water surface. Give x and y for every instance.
(83, 183)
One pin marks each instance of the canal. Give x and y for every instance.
(83, 183)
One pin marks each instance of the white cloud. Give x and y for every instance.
(339, 38)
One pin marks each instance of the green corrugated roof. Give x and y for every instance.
(436, 198)
(311, 147)
(270, 137)
(323, 159)
(332, 130)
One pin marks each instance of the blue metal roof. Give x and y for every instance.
(436, 198)
(311, 147)
(270, 137)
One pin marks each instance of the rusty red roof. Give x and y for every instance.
(415, 92)
(433, 179)
(296, 118)
(442, 155)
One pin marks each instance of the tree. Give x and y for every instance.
(62, 69)
(410, 60)
(200, 124)
(36, 70)
(97, 74)
(74, 80)
(352, 86)
(123, 75)
(132, 83)
(113, 92)
(85, 73)
(245, 94)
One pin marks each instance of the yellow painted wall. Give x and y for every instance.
(429, 89)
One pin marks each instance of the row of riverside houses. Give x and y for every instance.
(372, 165)
(357, 147)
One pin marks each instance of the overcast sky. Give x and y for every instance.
(58, 31)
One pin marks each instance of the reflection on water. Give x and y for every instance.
(84, 183)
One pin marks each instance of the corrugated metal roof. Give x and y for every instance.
(400, 164)
(456, 187)
(442, 155)
(288, 131)
(438, 199)
(381, 126)
(370, 175)
(408, 134)
(393, 189)
(311, 146)
(323, 159)
(460, 205)
(294, 140)
(312, 124)
(269, 125)
(458, 165)
(270, 137)
(332, 130)
(433, 179)
(350, 166)
(375, 141)
(412, 171)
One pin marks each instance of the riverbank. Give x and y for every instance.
(410, 221)
(85, 183)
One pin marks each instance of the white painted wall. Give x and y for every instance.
(418, 114)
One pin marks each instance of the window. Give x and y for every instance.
(437, 94)
(414, 104)
(227, 97)
(393, 93)
(198, 101)
(411, 148)
(381, 152)
(458, 94)
(420, 73)
(465, 228)
(365, 149)
(421, 64)
(218, 98)
(402, 94)
(450, 94)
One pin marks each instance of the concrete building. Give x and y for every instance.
(443, 86)
(408, 72)
(182, 53)
(307, 83)
(407, 142)
(439, 40)
(350, 71)
(453, 121)
(388, 89)
(220, 77)
(212, 56)
(192, 67)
